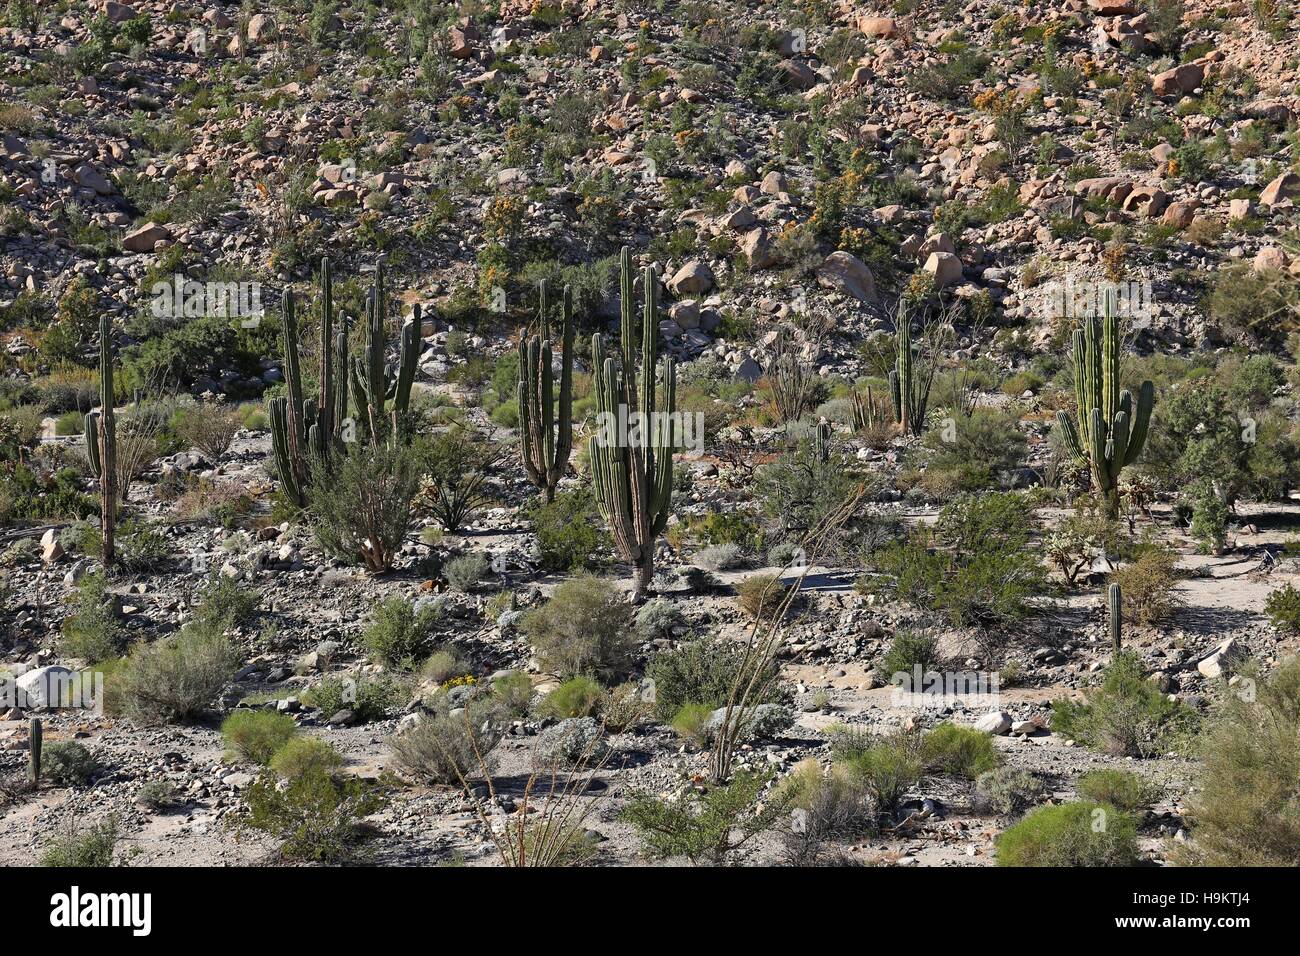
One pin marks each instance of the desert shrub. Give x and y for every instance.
(1070, 834)
(1283, 608)
(513, 693)
(568, 529)
(158, 795)
(907, 652)
(1246, 810)
(257, 734)
(1008, 789)
(209, 428)
(174, 679)
(95, 846)
(572, 743)
(398, 633)
(976, 454)
(622, 709)
(137, 546)
(1126, 716)
(1148, 584)
(456, 464)
(369, 698)
(1248, 304)
(703, 827)
(887, 766)
(444, 747)
(92, 633)
(303, 756)
(826, 808)
(361, 507)
(975, 565)
(799, 490)
(577, 697)
(701, 672)
(719, 557)
(1117, 788)
(443, 665)
(466, 571)
(316, 816)
(658, 618)
(959, 751)
(691, 722)
(760, 595)
(226, 602)
(586, 627)
(68, 763)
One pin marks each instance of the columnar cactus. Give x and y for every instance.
(1114, 607)
(1111, 430)
(544, 443)
(35, 740)
(373, 384)
(632, 469)
(823, 441)
(909, 390)
(101, 439)
(290, 415)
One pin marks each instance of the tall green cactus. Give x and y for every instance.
(290, 415)
(371, 381)
(545, 445)
(1114, 607)
(35, 740)
(633, 472)
(908, 386)
(101, 440)
(1111, 430)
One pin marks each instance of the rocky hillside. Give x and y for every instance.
(977, 323)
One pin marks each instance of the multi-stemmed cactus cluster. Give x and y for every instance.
(633, 479)
(869, 410)
(1112, 427)
(308, 430)
(908, 386)
(544, 441)
(101, 439)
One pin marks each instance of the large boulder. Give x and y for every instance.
(1179, 80)
(1220, 661)
(1286, 186)
(692, 279)
(144, 238)
(44, 687)
(883, 27)
(945, 267)
(757, 249)
(846, 272)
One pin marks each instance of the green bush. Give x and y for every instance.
(622, 709)
(1246, 809)
(760, 595)
(95, 846)
(68, 763)
(361, 507)
(466, 571)
(397, 634)
(585, 628)
(257, 734)
(1117, 788)
(443, 665)
(959, 751)
(316, 816)
(577, 697)
(514, 693)
(907, 652)
(703, 827)
(1070, 834)
(305, 756)
(887, 766)
(1283, 608)
(976, 454)
(369, 698)
(93, 633)
(226, 602)
(1008, 789)
(1126, 716)
(568, 529)
(691, 722)
(703, 672)
(1148, 583)
(175, 678)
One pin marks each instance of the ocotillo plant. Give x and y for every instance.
(544, 443)
(1111, 430)
(35, 741)
(101, 439)
(371, 381)
(633, 473)
(909, 386)
(790, 379)
(1114, 607)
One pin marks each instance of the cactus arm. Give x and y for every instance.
(564, 433)
(326, 421)
(1114, 606)
(91, 431)
(107, 433)
(407, 358)
(1146, 400)
(1070, 435)
(35, 739)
